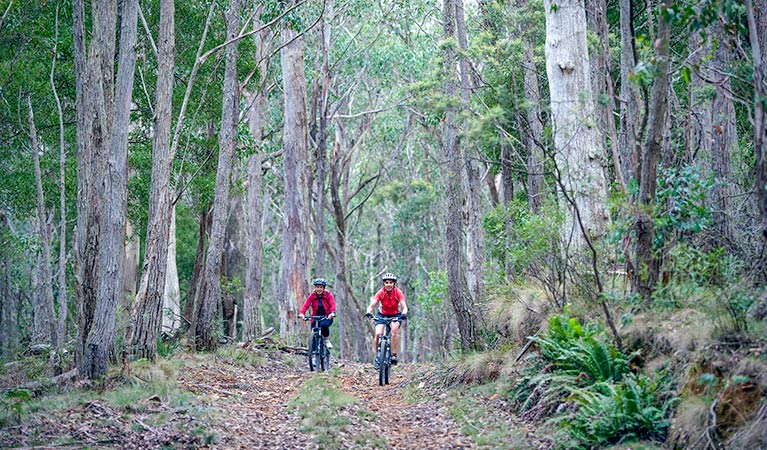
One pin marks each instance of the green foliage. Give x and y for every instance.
(581, 352)
(680, 208)
(636, 407)
(520, 238)
(603, 400)
(12, 405)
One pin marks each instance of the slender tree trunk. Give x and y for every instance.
(475, 234)
(147, 309)
(192, 295)
(61, 327)
(578, 151)
(293, 264)
(647, 259)
(211, 294)
(252, 325)
(44, 324)
(757, 21)
(533, 132)
(322, 140)
(458, 294)
(171, 299)
(629, 96)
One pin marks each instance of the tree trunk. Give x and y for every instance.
(171, 303)
(578, 152)
(44, 325)
(292, 283)
(458, 294)
(211, 293)
(647, 259)
(103, 110)
(61, 327)
(319, 262)
(192, 296)
(147, 309)
(533, 132)
(475, 234)
(629, 105)
(724, 137)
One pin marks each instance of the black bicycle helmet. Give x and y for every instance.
(320, 282)
(389, 276)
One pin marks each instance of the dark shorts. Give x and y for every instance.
(380, 318)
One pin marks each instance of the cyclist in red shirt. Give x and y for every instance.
(323, 304)
(392, 303)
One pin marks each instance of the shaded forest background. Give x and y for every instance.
(571, 193)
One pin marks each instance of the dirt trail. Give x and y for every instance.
(238, 406)
(255, 412)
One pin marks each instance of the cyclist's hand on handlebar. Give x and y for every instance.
(403, 317)
(331, 315)
(302, 317)
(368, 315)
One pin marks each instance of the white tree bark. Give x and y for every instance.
(211, 294)
(171, 300)
(579, 156)
(293, 264)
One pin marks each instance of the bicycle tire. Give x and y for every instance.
(325, 358)
(314, 355)
(381, 365)
(387, 365)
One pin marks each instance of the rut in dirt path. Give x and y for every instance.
(258, 408)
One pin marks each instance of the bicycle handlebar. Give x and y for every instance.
(308, 318)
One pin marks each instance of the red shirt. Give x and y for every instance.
(328, 302)
(390, 301)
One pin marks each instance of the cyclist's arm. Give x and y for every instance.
(373, 303)
(403, 306)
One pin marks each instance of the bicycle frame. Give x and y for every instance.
(384, 350)
(319, 355)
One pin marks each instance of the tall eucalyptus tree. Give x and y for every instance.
(578, 153)
(103, 115)
(459, 294)
(292, 283)
(146, 316)
(44, 328)
(252, 317)
(227, 141)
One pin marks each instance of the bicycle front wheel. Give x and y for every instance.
(382, 363)
(387, 366)
(325, 358)
(314, 355)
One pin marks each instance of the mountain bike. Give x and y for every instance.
(319, 354)
(384, 348)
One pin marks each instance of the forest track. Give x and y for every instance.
(262, 403)
(260, 411)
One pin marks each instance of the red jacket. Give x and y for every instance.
(313, 301)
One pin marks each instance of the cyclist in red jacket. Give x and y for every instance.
(323, 304)
(392, 303)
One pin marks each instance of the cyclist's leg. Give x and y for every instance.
(325, 331)
(394, 340)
